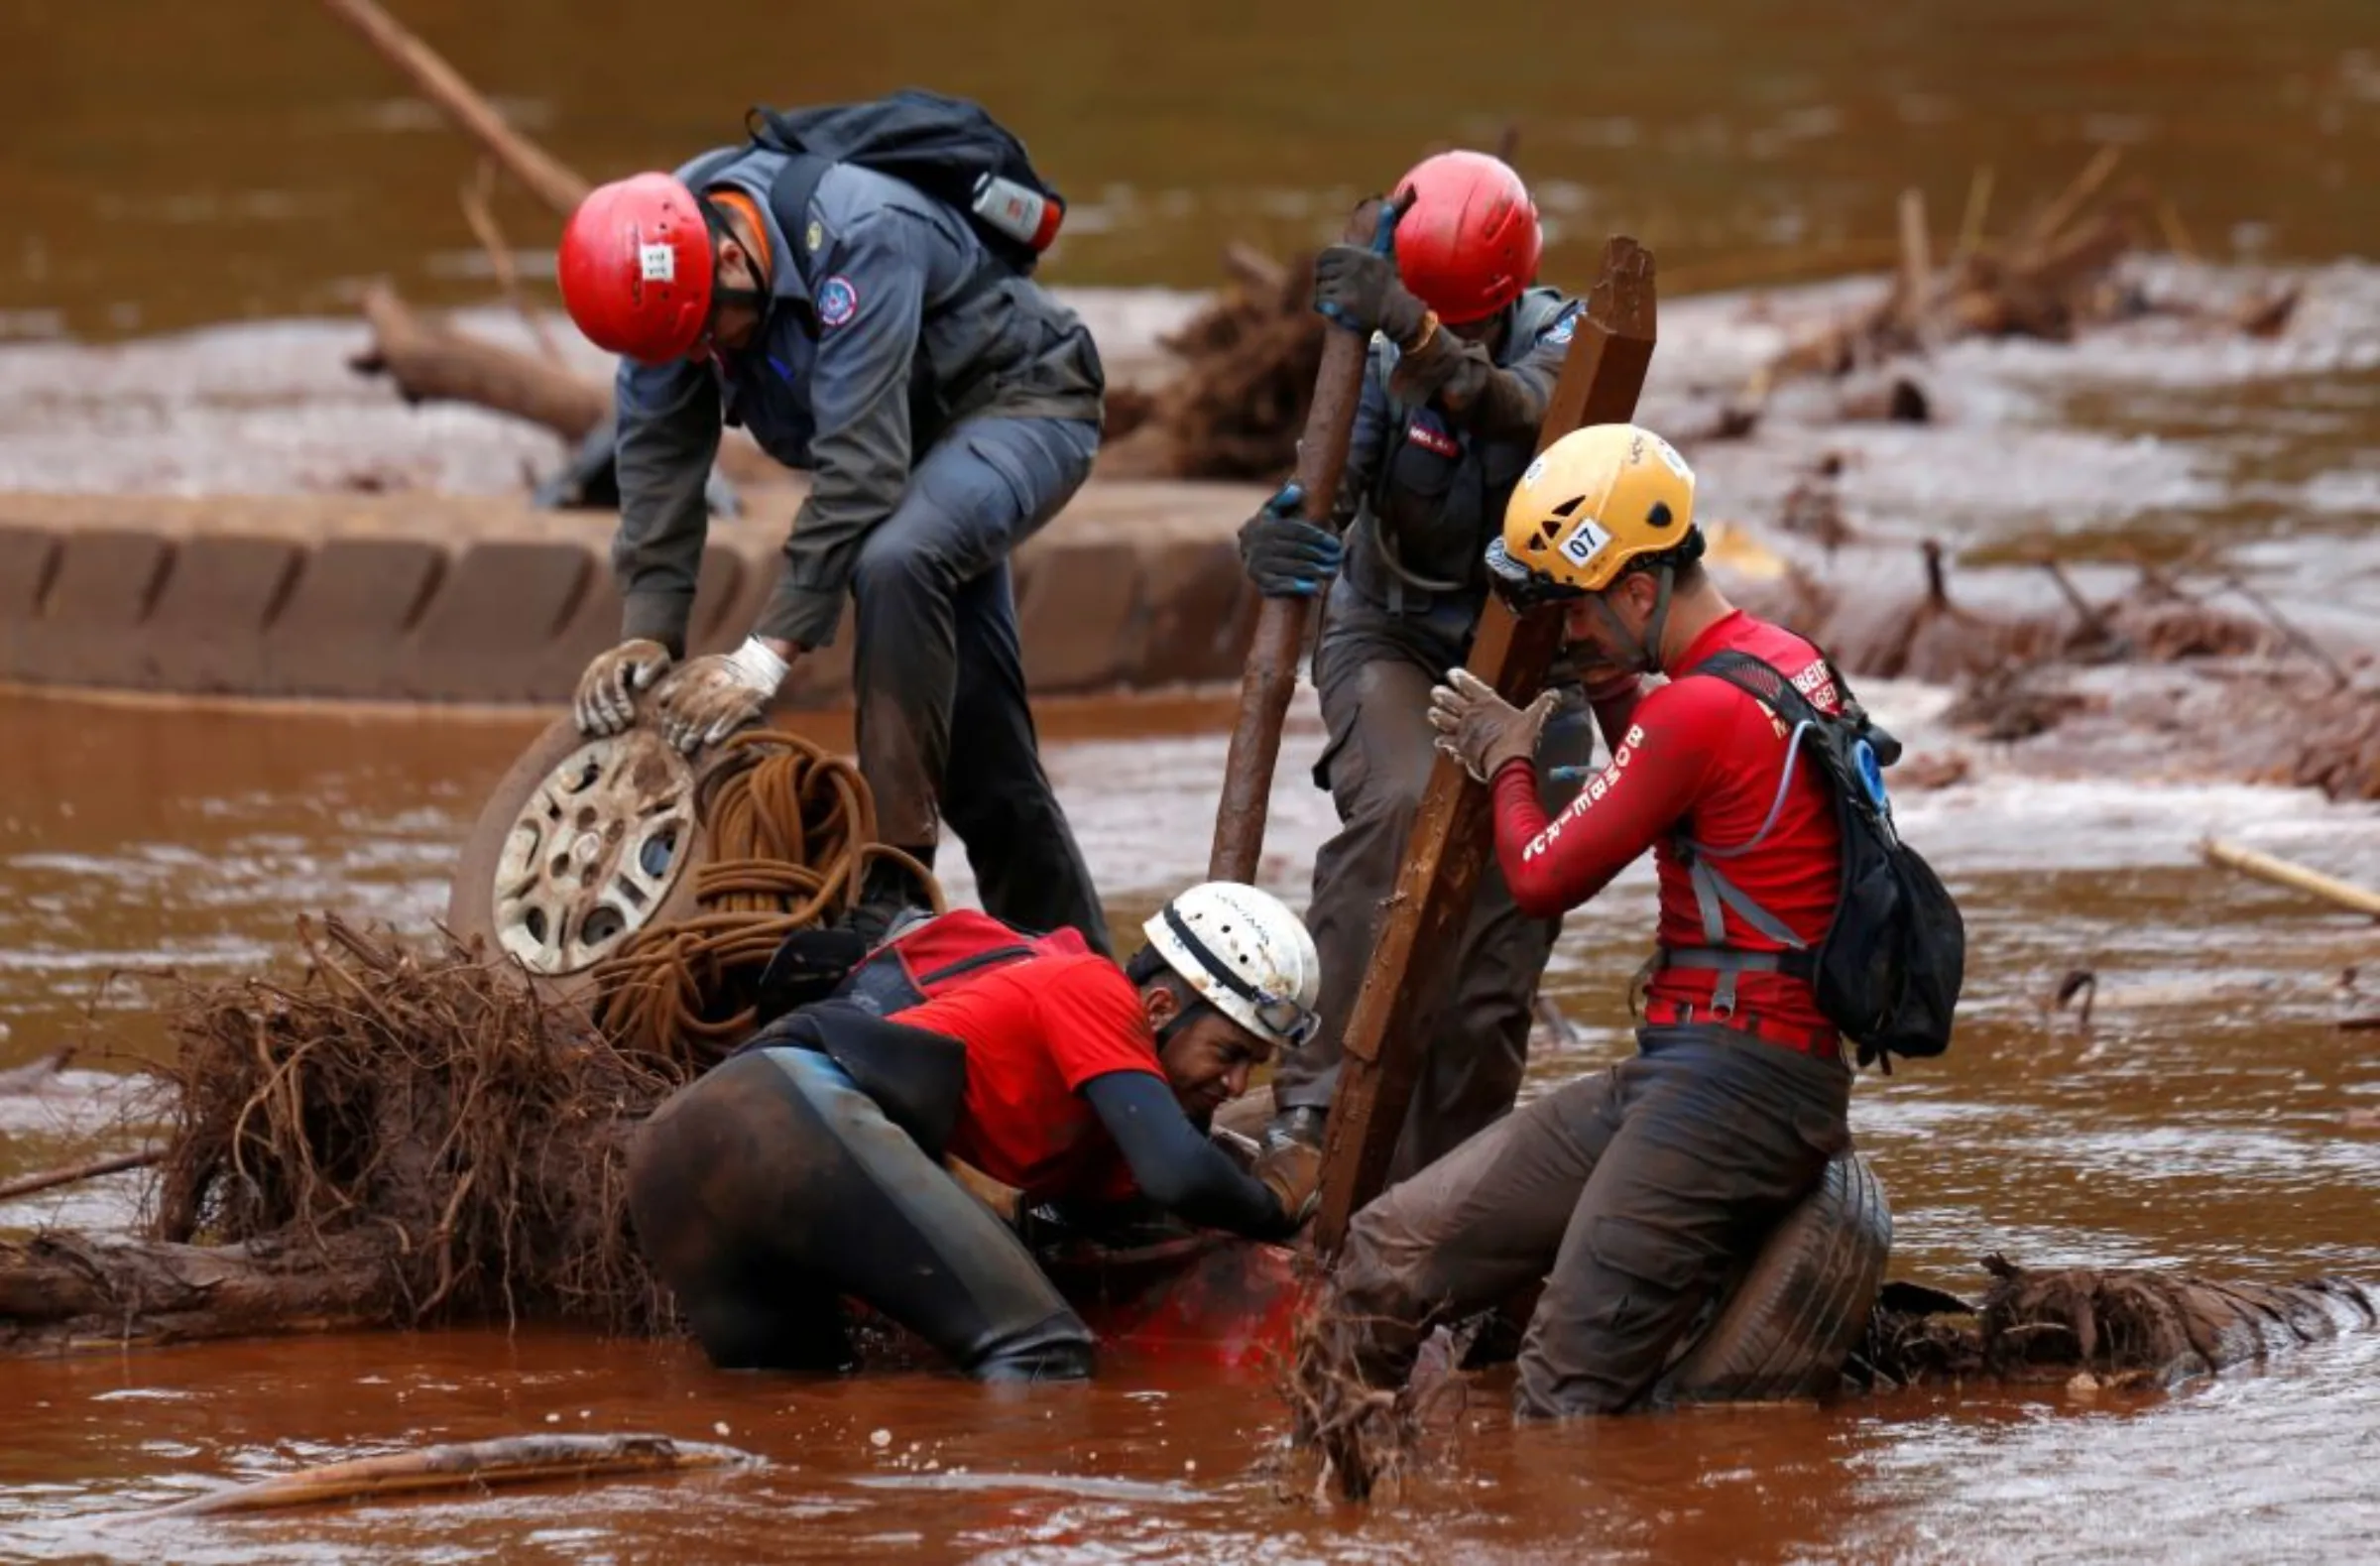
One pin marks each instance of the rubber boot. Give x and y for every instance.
(887, 891)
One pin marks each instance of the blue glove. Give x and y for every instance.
(1286, 556)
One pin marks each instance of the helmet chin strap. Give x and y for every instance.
(756, 301)
(1643, 653)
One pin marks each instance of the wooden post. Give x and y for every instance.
(1269, 678)
(1383, 1047)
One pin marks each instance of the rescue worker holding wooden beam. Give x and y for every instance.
(1631, 1192)
(1464, 353)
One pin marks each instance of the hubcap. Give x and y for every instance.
(595, 852)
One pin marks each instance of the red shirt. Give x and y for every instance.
(1700, 755)
(1036, 1030)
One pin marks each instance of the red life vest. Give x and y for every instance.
(943, 952)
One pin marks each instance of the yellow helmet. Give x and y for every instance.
(1592, 501)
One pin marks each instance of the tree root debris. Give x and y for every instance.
(2122, 1325)
(419, 1121)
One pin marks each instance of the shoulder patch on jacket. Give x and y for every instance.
(838, 301)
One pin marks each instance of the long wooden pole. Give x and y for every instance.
(2282, 873)
(1269, 676)
(469, 1465)
(52, 1179)
(1383, 1050)
(556, 185)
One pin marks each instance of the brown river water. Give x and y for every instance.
(175, 165)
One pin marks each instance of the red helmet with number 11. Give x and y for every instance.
(1470, 242)
(635, 267)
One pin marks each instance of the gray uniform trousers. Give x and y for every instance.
(1631, 1192)
(944, 729)
(1374, 670)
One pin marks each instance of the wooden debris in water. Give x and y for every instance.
(75, 1174)
(469, 1465)
(2297, 877)
(1356, 1439)
(2123, 1325)
(2052, 278)
(1237, 405)
(402, 1135)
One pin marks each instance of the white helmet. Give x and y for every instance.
(1246, 954)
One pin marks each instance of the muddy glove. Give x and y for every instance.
(1286, 556)
(607, 692)
(1292, 1172)
(1360, 288)
(709, 699)
(1480, 729)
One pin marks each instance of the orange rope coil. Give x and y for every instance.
(790, 831)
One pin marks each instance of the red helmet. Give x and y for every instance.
(1470, 242)
(635, 267)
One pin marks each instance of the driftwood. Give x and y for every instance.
(2119, 1326)
(74, 1174)
(2051, 278)
(61, 1292)
(2280, 873)
(431, 362)
(556, 185)
(1235, 409)
(468, 1464)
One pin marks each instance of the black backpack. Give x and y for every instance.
(943, 146)
(1889, 969)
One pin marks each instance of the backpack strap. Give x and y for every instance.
(1714, 895)
(790, 196)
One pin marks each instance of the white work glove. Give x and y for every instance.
(606, 702)
(710, 697)
(1480, 729)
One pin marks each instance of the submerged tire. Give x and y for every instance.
(1797, 1312)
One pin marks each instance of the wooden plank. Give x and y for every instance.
(1382, 1051)
(1271, 675)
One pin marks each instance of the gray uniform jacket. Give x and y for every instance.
(1425, 487)
(891, 323)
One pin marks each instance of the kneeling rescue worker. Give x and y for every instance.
(1632, 1191)
(946, 408)
(809, 1167)
(1465, 357)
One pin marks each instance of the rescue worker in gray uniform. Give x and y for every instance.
(1464, 358)
(946, 408)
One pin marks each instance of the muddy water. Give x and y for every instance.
(170, 165)
(2211, 1117)
(2204, 1122)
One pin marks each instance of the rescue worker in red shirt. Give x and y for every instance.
(1465, 350)
(809, 1167)
(1631, 1192)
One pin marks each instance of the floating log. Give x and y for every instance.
(61, 1292)
(52, 1179)
(2120, 1326)
(466, 1465)
(2282, 873)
